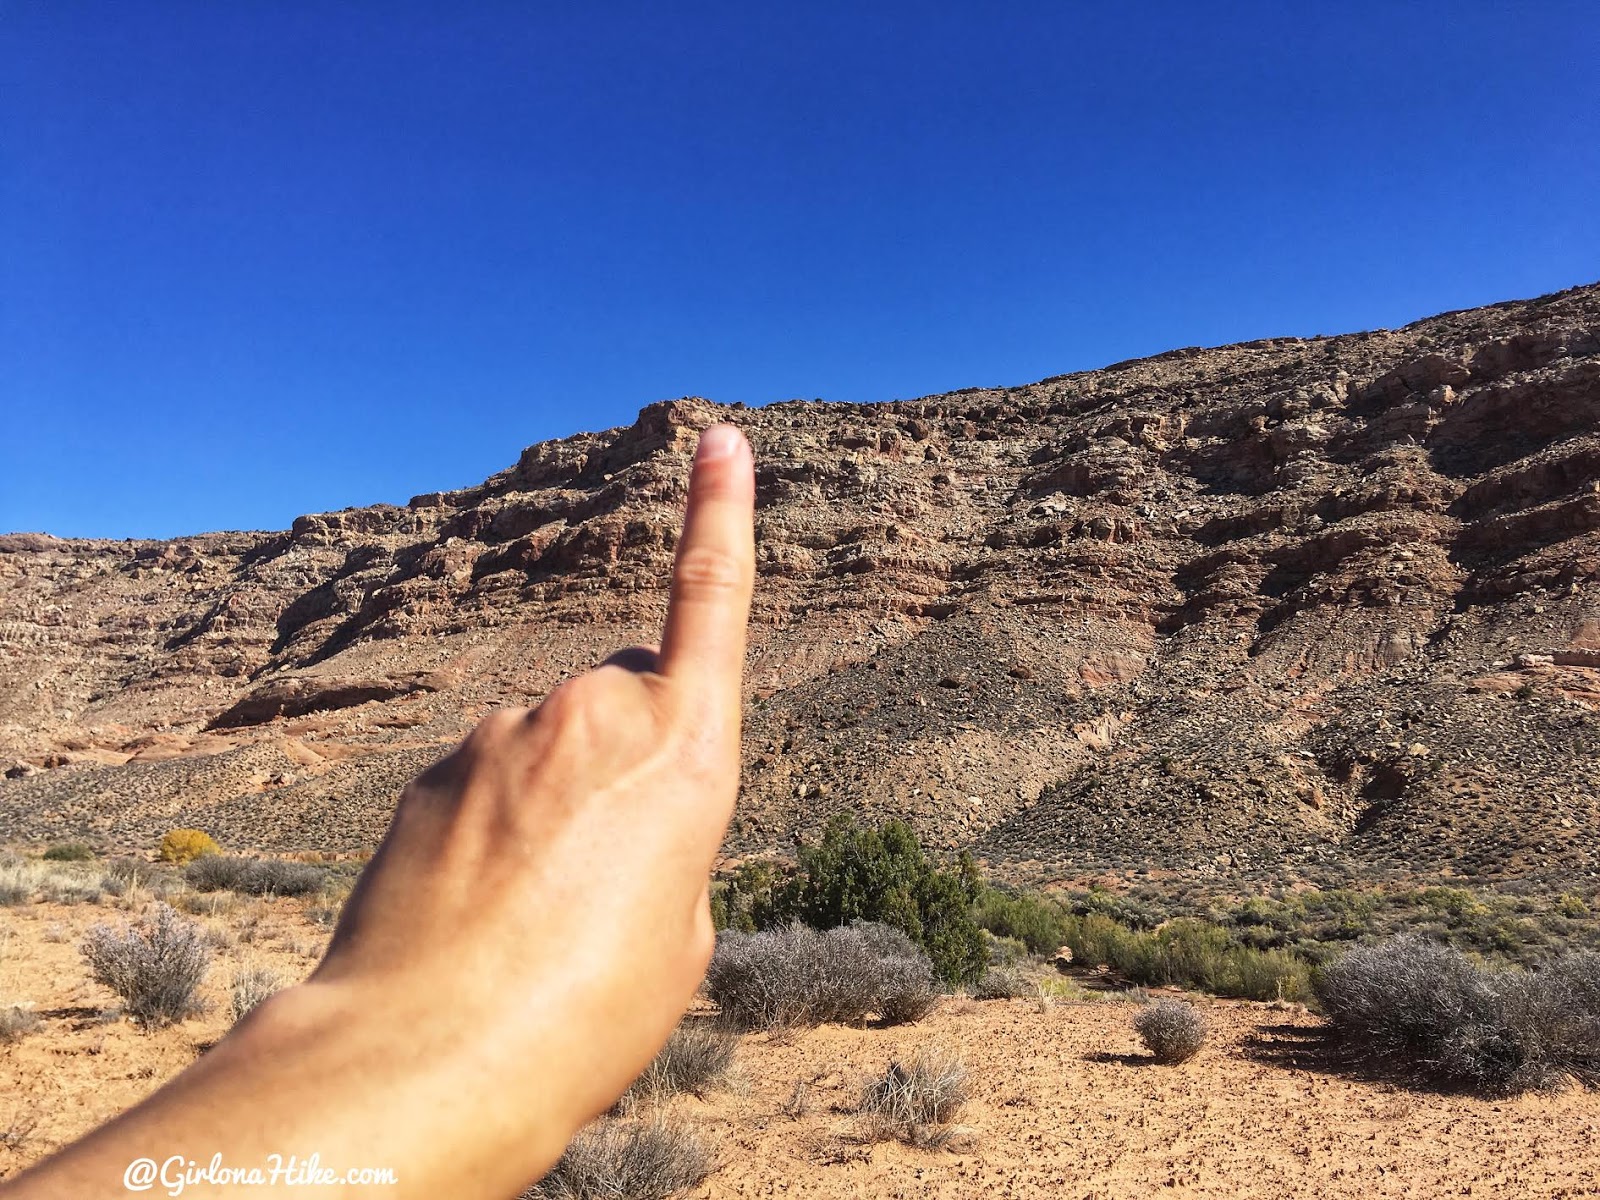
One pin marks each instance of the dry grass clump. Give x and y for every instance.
(69, 852)
(797, 976)
(910, 1101)
(250, 987)
(1172, 1030)
(16, 1132)
(1004, 983)
(156, 966)
(255, 876)
(1424, 1011)
(695, 1059)
(625, 1159)
(16, 1023)
(20, 880)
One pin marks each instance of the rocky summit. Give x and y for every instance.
(1301, 608)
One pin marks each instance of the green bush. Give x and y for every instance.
(1030, 919)
(1188, 953)
(69, 852)
(879, 875)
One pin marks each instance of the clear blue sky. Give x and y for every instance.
(258, 259)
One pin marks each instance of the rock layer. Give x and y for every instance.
(1299, 607)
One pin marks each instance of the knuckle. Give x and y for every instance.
(708, 571)
(498, 725)
(570, 704)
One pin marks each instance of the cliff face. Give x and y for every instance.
(1298, 607)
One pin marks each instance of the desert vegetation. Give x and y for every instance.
(255, 876)
(1172, 1030)
(186, 845)
(796, 976)
(250, 987)
(156, 966)
(626, 1158)
(880, 875)
(696, 1058)
(914, 1100)
(1429, 1014)
(1410, 984)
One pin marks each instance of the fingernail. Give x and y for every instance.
(720, 441)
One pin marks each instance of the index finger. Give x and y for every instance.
(713, 571)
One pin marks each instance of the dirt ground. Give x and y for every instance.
(1064, 1103)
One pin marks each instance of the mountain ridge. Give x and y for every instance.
(1291, 608)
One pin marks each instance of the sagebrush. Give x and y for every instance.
(156, 966)
(255, 876)
(626, 1159)
(1172, 1030)
(1425, 1011)
(799, 976)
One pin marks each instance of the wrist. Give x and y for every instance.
(459, 1095)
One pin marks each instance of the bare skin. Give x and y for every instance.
(527, 936)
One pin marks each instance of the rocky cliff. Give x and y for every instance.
(1296, 607)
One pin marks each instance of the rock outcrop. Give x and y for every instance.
(1297, 607)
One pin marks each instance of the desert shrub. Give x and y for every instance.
(746, 901)
(18, 881)
(69, 852)
(1171, 1030)
(255, 876)
(1427, 1012)
(720, 916)
(122, 874)
(156, 966)
(906, 990)
(250, 987)
(796, 975)
(1004, 951)
(62, 887)
(623, 1159)
(1003, 983)
(929, 1090)
(695, 1058)
(186, 845)
(1188, 953)
(880, 875)
(1032, 920)
(21, 880)
(16, 1023)
(1123, 909)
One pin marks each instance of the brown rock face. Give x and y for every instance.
(1294, 607)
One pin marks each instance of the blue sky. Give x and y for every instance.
(261, 259)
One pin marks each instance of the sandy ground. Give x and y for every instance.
(1064, 1104)
(79, 1068)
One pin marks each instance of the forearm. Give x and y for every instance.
(315, 1071)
